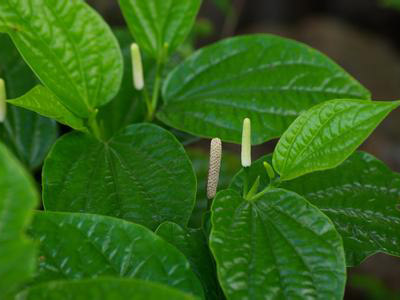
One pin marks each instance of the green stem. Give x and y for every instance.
(245, 182)
(94, 125)
(271, 186)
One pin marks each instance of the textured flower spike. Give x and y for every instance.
(215, 165)
(246, 143)
(3, 97)
(137, 66)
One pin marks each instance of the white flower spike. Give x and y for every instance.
(137, 66)
(246, 143)
(214, 168)
(3, 104)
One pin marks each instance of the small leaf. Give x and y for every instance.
(193, 244)
(361, 197)
(107, 247)
(42, 101)
(18, 198)
(279, 246)
(131, 176)
(155, 24)
(104, 289)
(269, 79)
(327, 134)
(27, 134)
(70, 48)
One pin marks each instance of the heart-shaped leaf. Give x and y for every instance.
(27, 134)
(193, 244)
(70, 48)
(131, 176)
(76, 246)
(277, 247)
(18, 198)
(104, 289)
(324, 136)
(266, 78)
(362, 198)
(157, 23)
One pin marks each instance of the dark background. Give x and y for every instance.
(363, 36)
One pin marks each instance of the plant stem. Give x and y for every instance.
(94, 125)
(245, 182)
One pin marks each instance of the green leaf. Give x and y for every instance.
(324, 136)
(76, 246)
(361, 197)
(18, 198)
(200, 159)
(69, 47)
(279, 246)
(27, 134)
(157, 23)
(193, 244)
(42, 101)
(104, 289)
(131, 176)
(263, 77)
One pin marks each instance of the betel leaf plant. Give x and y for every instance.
(117, 218)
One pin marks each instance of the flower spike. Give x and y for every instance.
(246, 143)
(137, 66)
(3, 97)
(214, 168)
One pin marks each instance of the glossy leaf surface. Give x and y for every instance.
(27, 134)
(327, 134)
(156, 23)
(107, 247)
(268, 79)
(131, 176)
(362, 198)
(277, 247)
(103, 288)
(69, 47)
(193, 244)
(42, 101)
(18, 198)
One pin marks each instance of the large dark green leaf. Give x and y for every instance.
(18, 197)
(76, 246)
(193, 244)
(42, 101)
(361, 197)
(159, 22)
(142, 174)
(27, 134)
(324, 136)
(277, 247)
(266, 78)
(104, 289)
(70, 48)
(230, 164)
